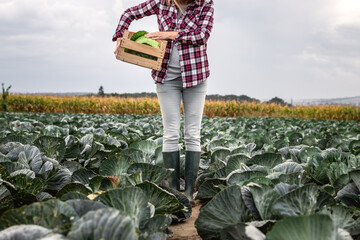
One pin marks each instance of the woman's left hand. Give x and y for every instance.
(117, 48)
(162, 35)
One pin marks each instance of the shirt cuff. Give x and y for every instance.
(179, 35)
(117, 35)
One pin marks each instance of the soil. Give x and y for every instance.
(186, 229)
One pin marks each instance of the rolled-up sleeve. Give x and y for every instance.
(201, 34)
(147, 8)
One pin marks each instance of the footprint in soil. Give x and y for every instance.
(186, 230)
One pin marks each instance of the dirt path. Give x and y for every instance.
(186, 230)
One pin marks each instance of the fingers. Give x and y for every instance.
(159, 35)
(154, 35)
(150, 35)
(117, 49)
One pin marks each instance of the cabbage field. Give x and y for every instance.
(101, 176)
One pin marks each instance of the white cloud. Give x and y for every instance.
(286, 48)
(49, 29)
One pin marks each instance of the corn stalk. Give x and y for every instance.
(5, 94)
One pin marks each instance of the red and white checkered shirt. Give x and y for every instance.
(194, 28)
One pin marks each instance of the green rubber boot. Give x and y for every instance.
(172, 160)
(192, 160)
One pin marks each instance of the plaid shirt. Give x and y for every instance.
(193, 28)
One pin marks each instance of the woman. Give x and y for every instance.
(186, 24)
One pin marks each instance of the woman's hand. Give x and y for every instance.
(117, 48)
(162, 35)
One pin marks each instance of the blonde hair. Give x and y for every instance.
(177, 3)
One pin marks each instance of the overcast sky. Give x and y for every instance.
(290, 49)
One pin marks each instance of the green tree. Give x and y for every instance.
(279, 101)
(101, 91)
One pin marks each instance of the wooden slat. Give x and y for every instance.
(136, 57)
(139, 63)
(163, 46)
(156, 52)
(127, 34)
(137, 60)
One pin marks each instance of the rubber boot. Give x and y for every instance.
(172, 160)
(192, 160)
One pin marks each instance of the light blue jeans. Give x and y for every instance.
(170, 94)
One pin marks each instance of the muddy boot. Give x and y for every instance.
(192, 160)
(172, 160)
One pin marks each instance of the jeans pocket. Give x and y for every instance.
(202, 87)
(159, 87)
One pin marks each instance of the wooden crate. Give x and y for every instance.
(125, 42)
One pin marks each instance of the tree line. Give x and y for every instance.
(213, 97)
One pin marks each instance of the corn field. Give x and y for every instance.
(116, 105)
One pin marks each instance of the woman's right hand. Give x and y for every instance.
(117, 48)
